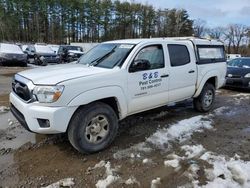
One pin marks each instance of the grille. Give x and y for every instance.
(21, 90)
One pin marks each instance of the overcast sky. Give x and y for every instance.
(214, 12)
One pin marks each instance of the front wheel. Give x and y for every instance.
(93, 127)
(204, 102)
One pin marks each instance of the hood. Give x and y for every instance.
(75, 52)
(52, 75)
(238, 71)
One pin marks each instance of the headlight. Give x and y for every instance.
(48, 94)
(71, 54)
(247, 75)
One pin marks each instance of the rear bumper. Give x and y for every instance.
(238, 82)
(29, 113)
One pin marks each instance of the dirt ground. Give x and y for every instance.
(146, 152)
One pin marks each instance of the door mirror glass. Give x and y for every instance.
(139, 65)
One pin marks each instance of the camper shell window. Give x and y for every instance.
(210, 54)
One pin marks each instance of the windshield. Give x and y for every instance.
(106, 55)
(240, 62)
(75, 48)
(10, 48)
(43, 49)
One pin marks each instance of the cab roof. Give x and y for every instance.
(195, 40)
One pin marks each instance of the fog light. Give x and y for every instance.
(43, 123)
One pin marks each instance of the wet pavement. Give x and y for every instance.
(167, 147)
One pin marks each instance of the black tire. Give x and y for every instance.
(83, 120)
(205, 101)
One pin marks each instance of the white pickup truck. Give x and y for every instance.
(116, 79)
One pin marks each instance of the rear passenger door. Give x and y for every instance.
(183, 73)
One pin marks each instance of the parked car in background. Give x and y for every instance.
(232, 56)
(11, 54)
(238, 73)
(41, 54)
(69, 53)
(54, 47)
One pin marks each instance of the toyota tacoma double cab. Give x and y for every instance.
(116, 79)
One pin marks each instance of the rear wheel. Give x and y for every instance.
(93, 127)
(204, 102)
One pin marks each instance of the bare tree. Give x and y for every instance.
(235, 35)
(199, 27)
(216, 33)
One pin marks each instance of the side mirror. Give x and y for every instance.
(139, 65)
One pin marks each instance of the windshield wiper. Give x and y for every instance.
(99, 60)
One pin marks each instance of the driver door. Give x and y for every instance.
(148, 88)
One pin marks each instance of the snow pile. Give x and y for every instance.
(155, 182)
(193, 151)
(224, 173)
(180, 131)
(4, 109)
(67, 182)
(110, 175)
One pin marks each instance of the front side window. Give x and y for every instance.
(178, 55)
(153, 55)
(211, 54)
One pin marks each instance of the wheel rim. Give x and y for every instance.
(97, 129)
(208, 98)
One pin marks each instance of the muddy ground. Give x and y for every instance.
(141, 152)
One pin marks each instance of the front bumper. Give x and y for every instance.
(238, 82)
(29, 113)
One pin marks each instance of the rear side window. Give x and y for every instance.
(210, 54)
(178, 54)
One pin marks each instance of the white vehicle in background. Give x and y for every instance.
(232, 56)
(11, 54)
(54, 47)
(114, 80)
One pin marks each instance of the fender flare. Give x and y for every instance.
(205, 78)
(102, 93)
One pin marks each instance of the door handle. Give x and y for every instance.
(164, 76)
(191, 71)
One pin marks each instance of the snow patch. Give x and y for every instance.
(173, 163)
(146, 161)
(221, 110)
(180, 131)
(193, 151)
(67, 182)
(231, 172)
(106, 182)
(4, 109)
(155, 182)
(132, 180)
(127, 153)
(110, 175)
(100, 164)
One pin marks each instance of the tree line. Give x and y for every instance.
(60, 21)
(236, 37)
